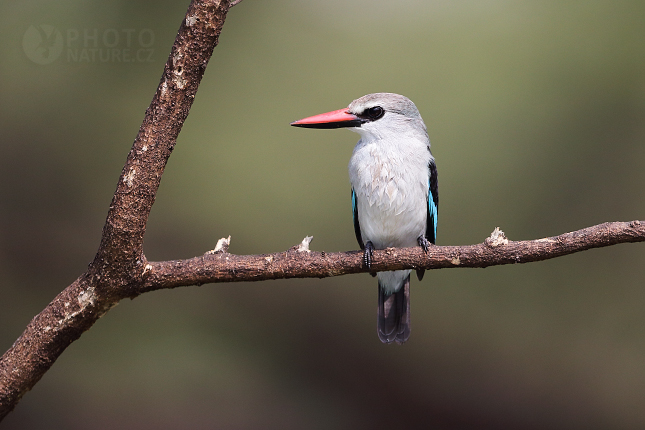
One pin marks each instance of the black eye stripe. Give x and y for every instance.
(373, 113)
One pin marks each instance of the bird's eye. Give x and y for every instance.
(374, 113)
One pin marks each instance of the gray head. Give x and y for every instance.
(374, 116)
(388, 102)
(386, 113)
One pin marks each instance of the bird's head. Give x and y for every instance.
(374, 116)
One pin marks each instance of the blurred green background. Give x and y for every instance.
(536, 113)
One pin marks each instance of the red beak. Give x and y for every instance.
(335, 119)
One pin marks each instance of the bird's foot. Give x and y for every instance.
(367, 255)
(424, 243)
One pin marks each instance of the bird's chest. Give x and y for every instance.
(391, 186)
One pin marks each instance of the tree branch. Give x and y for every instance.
(118, 266)
(120, 269)
(220, 266)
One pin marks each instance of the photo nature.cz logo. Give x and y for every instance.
(44, 44)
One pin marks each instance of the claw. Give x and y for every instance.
(367, 255)
(423, 243)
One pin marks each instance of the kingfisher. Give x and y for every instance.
(395, 195)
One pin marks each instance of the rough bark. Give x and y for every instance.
(120, 269)
(117, 269)
(220, 266)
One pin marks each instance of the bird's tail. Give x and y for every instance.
(393, 323)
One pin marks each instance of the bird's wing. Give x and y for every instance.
(357, 227)
(433, 204)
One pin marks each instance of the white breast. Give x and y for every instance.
(390, 178)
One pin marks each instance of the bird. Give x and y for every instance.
(394, 193)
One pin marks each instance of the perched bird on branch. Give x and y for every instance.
(394, 192)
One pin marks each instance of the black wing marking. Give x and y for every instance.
(357, 227)
(433, 203)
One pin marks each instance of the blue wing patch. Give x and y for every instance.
(433, 204)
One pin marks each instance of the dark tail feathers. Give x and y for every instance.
(393, 321)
